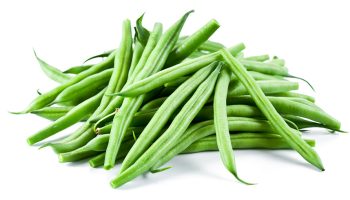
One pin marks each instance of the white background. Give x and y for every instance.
(313, 36)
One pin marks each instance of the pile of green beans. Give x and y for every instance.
(159, 94)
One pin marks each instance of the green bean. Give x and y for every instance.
(101, 55)
(244, 141)
(172, 73)
(260, 58)
(76, 140)
(121, 64)
(221, 124)
(73, 116)
(210, 46)
(194, 54)
(294, 94)
(191, 43)
(95, 146)
(77, 69)
(172, 134)
(240, 55)
(99, 160)
(155, 62)
(160, 118)
(266, 68)
(279, 62)
(206, 128)
(260, 76)
(156, 103)
(285, 105)
(85, 88)
(255, 75)
(267, 86)
(47, 98)
(279, 125)
(52, 72)
(138, 50)
(54, 113)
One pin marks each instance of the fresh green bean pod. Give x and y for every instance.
(267, 86)
(52, 72)
(48, 97)
(195, 54)
(279, 62)
(72, 117)
(85, 89)
(244, 141)
(294, 94)
(163, 114)
(136, 56)
(278, 123)
(259, 58)
(221, 124)
(172, 73)
(130, 106)
(266, 68)
(206, 128)
(155, 103)
(101, 55)
(77, 69)
(94, 147)
(54, 113)
(191, 43)
(211, 46)
(172, 134)
(285, 105)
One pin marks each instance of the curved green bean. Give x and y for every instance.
(163, 114)
(172, 134)
(52, 72)
(221, 124)
(73, 116)
(155, 62)
(77, 69)
(278, 123)
(48, 97)
(191, 43)
(85, 88)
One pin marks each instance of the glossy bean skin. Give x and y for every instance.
(77, 69)
(191, 43)
(121, 62)
(294, 94)
(85, 88)
(202, 129)
(221, 123)
(210, 46)
(279, 125)
(130, 106)
(266, 68)
(52, 72)
(52, 113)
(244, 141)
(73, 116)
(172, 73)
(101, 55)
(163, 114)
(259, 58)
(136, 56)
(279, 62)
(267, 86)
(172, 134)
(94, 147)
(238, 141)
(291, 106)
(48, 97)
